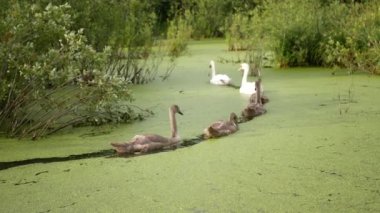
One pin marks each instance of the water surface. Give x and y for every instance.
(316, 150)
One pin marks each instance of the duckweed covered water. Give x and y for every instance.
(316, 150)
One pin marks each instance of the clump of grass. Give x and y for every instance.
(345, 100)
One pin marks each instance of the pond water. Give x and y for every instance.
(316, 150)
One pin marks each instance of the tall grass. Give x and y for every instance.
(312, 33)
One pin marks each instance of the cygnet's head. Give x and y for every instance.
(175, 109)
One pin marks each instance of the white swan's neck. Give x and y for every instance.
(173, 124)
(213, 71)
(245, 75)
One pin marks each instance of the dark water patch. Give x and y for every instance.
(369, 86)
(96, 133)
(233, 86)
(3, 181)
(191, 141)
(38, 173)
(371, 178)
(331, 195)
(330, 145)
(25, 182)
(102, 153)
(337, 153)
(71, 204)
(185, 143)
(331, 173)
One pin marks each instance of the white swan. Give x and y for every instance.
(218, 79)
(151, 142)
(247, 87)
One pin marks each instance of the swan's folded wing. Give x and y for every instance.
(223, 128)
(217, 125)
(123, 148)
(153, 142)
(220, 79)
(153, 138)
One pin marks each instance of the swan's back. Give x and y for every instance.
(222, 128)
(248, 88)
(144, 143)
(149, 138)
(220, 79)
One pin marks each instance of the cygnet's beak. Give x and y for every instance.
(179, 112)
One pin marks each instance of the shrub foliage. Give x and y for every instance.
(56, 74)
(313, 32)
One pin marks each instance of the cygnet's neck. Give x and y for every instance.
(173, 124)
(258, 91)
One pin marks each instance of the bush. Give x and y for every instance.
(294, 42)
(208, 17)
(51, 77)
(314, 32)
(353, 41)
(178, 34)
(239, 33)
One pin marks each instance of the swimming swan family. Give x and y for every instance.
(143, 143)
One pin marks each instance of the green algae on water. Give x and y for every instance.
(315, 150)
